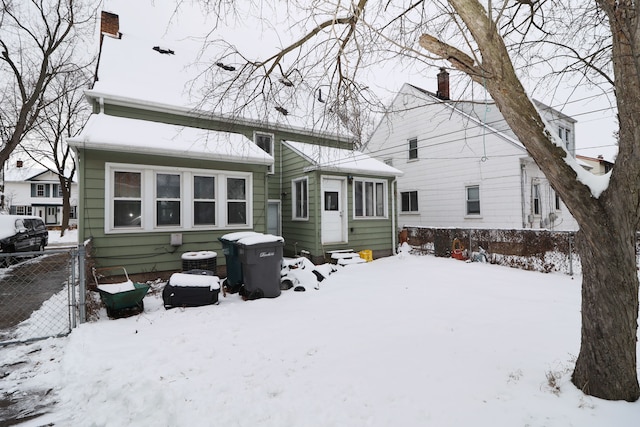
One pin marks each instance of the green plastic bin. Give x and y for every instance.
(234, 266)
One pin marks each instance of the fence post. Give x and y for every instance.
(82, 284)
(570, 254)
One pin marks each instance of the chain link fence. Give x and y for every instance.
(41, 294)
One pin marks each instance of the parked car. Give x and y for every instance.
(19, 233)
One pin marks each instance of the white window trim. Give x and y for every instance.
(417, 150)
(156, 199)
(272, 137)
(294, 197)
(385, 187)
(468, 215)
(147, 223)
(192, 190)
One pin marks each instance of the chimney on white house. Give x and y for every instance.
(19, 163)
(443, 84)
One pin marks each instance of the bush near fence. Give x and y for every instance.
(539, 250)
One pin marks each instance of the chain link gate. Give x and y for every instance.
(39, 294)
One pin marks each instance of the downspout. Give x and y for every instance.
(522, 184)
(394, 198)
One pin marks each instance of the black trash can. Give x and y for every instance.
(234, 266)
(261, 258)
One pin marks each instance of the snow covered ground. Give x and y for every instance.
(402, 341)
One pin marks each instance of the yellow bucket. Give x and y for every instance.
(366, 255)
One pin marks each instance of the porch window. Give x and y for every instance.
(473, 199)
(204, 200)
(369, 198)
(167, 199)
(409, 201)
(236, 201)
(127, 199)
(145, 198)
(300, 199)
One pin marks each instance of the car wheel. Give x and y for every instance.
(41, 246)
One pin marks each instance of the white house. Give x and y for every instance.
(36, 191)
(463, 166)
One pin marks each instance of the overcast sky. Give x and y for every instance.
(595, 125)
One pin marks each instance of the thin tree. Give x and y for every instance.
(39, 39)
(338, 41)
(60, 120)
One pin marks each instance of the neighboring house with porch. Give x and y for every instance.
(463, 166)
(159, 177)
(36, 191)
(596, 165)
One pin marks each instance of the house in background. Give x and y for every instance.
(463, 166)
(161, 175)
(595, 165)
(36, 191)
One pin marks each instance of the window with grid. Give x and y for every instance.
(536, 199)
(265, 142)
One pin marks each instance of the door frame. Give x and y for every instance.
(343, 202)
(279, 219)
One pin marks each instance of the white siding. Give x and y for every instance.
(454, 151)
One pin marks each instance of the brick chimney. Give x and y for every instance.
(19, 163)
(443, 84)
(109, 24)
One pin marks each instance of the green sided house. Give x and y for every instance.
(159, 176)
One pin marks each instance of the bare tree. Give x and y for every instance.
(337, 43)
(61, 119)
(39, 40)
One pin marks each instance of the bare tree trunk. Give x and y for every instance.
(606, 364)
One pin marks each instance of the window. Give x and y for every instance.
(21, 210)
(204, 200)
(557, 204)
(236, 201)
(300, 199)
(39, 190)
(265, 142)
(473, 200)
(565, 135)
(409, 201)
(413, 148)
(369, 198)
(146, 198)
(73, 212)
(535, 194)
(127, 199)
(57, 190)
(168, 199)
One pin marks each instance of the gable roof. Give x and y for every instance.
(112, 133)
(340, 160)
(134, 67)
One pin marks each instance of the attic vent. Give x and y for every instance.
(163, 50)
(282, 110)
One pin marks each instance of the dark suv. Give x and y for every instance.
(20, 233)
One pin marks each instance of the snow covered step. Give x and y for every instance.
(350, 261)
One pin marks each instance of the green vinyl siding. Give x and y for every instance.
(143, 252)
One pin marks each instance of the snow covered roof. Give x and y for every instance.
(134, 67)
(15, 174)
(112, 133)
(341, 160)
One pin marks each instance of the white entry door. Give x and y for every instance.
(52, 215)
(334, 210)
